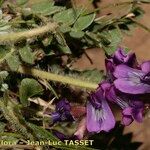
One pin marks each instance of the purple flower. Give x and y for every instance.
(59, 135)
(110, 66)
(146, 66)
(134, 111)
(120, 57)
(63, 137)
(132, 81)
(62, 113)
(99, 114)
(132, 108)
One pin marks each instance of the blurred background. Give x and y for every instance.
(138, 42)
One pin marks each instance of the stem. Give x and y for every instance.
(16, 36)
(141, 25)
(56, 77)
(13, 120)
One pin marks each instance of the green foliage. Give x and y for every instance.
(21, 2)
(145, 1)
(3, 76)
(77, 34)
(26, 55)
(67, 16)
(115, 37)
(2, 127)
(83, 22)
(13, 62)
(29, 88)
(3, 51)
(45, 7)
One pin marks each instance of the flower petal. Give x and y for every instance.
(127, 120)
(127, 111)
(123, 71)
(108, 120)
(93, 124)
(138, 115)
(63, 105)
(146, 66)
(111, 94)
(131, 87)
(56, 117)
(100, 119)
(121, 57)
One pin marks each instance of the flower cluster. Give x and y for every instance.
(125, 81)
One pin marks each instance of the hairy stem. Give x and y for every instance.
(56, 77)
(13, 120)
(16, 36)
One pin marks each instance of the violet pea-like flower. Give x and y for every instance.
(120, 57)
(99, 114)
(132, 109)
(132, 81)
(62, 112)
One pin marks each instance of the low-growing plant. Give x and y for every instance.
(44, 99)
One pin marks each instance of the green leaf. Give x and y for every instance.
(3, 51)
(44, 7)
(47, 41)
(26, 55)
(13, 62)
(2, 127)
(65, 49)
(1, 2)
(42, 133)
(67, 16)
(64, 28)
(145, 1)
(54, 9)
(60, 38)
(84, 21)
(62, 43)
(28, 88)
(21, 2)
(115, 37)
(93, 75)
(76, 34)
(3, 76)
